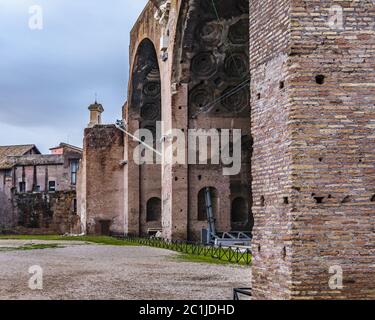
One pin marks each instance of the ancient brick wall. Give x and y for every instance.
(7, 216)
(206, 56)
(101, 183)
(143, 110)
(332, 119)
(313, 170)
(46, 213)
(215, 66)
(269, 27)
(144, 113)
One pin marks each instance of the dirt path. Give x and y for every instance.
(88, 271)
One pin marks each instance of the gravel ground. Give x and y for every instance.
(88, 271)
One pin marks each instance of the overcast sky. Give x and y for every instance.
(49, 77)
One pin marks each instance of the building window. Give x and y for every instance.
(74, 165)
(52, 186)
(36, 189)
(153, 209)
(22, 187)
(8, 173)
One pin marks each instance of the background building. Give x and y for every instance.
(38, 192)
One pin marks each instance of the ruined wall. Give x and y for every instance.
(82, 193)
(143, 111)
(7, 217)
(174, 115)
(313, 172)
(46, 213)
(214, 63)
(205, 57)
(103, 190)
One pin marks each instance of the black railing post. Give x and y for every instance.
(229, 254)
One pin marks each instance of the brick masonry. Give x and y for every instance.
(46, 213)
(101, 181)
(181, 184)
(313, 143)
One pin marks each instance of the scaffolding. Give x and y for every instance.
(222, 239)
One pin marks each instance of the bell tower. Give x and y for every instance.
(96, 110)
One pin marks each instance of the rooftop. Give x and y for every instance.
(16, 150)
(66, 145)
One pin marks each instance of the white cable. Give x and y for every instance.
(139, 140)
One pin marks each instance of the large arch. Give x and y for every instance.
(211, 60)
(144, 111)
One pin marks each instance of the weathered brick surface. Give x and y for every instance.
(101, 181)
(313, 143)
(269, 26)
(182, 76)
(46, 213)
(7, 216)
(332, 126)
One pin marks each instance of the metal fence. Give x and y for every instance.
(240, 292)
(236, 255)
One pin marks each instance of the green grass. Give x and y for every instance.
(199, 259)
(209, 259)
(32, 247)
(190, 256)
(92, 239)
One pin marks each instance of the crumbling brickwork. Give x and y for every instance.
(101, 181)
(46, 213)
(6, 210)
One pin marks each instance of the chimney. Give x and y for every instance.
(96, 111)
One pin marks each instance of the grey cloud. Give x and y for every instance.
(48, 77)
